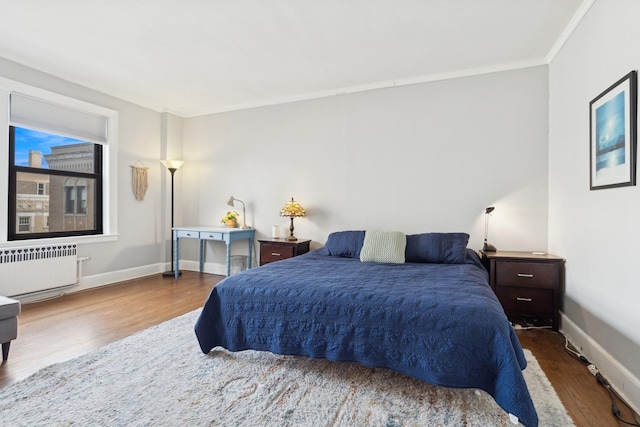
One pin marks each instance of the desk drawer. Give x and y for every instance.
(271, 253)
(525, 300)
(188, 234)
(527, 274)
(210, 235)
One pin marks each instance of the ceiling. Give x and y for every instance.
(193, 57)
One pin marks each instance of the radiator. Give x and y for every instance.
(28, 269)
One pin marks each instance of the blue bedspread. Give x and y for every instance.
(440, 323)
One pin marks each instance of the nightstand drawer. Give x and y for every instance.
(270, 253)
(525, 300)
(527, 274)
(275, 249)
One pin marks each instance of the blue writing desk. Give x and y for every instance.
(204, 233)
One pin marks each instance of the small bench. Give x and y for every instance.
(9, 310)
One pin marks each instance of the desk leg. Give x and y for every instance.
(176, 256)
(201, 255)
(228, 259)
(250, 252)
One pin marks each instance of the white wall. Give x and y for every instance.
(142, 226)
(425, 157)
(597, 231)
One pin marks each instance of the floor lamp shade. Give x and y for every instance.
(173, 166)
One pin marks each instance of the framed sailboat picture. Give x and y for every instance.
(613, 121)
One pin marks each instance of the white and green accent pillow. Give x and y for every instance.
(383, 246)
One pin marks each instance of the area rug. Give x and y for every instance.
(159, 377)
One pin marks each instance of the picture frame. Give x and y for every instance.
(612, 134)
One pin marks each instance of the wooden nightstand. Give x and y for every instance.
(526, 283)
(278, 249)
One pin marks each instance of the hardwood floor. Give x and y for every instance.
(588, 403)
(74, 324)
(65, 327)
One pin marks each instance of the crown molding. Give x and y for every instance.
(569, 29)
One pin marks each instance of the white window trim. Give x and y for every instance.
(110, 162)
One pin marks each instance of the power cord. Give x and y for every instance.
(603, 382)
(614, 407)
(523, 324)
(519, 327)
(575, 353)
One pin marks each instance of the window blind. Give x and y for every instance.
(38, 114)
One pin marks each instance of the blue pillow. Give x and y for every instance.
(437, 248)
(344, 243)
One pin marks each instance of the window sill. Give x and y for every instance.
(102, 238)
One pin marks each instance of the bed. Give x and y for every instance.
(430, 314)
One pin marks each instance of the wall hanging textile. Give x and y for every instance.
(139, 180)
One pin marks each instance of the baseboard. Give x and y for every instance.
(208, 267)
(621, 379)
(111, 277)
(88, 282)
(95, 281)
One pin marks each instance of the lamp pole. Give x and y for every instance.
(173, 166)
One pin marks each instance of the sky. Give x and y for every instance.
(27, 140)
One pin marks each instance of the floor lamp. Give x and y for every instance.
(173, 166)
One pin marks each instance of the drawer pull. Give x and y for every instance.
(530, 276)
(523, 299)
(188, 234)
(275, 254)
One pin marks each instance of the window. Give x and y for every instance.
(69, 195)
(95, 217)
(75, 196)
(72, 169)
(24, 224)
(56, 182)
